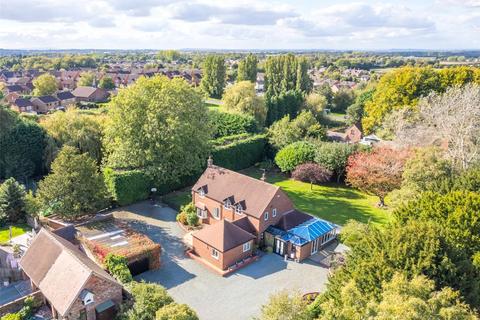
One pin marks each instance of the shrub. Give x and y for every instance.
(227, 124)
(190, 214)
(311, 172)
(175, 311)
(118, 267)
(242, 153)
(12, 316)
(294, 154)
(182, 218)
(148, 298)
(127, 187)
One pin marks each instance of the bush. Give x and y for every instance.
(12, 201)
(240, 154)
(148, 298)
(294, 154)
(190, 214)
(227, 124)
(312, 173)
(12, 316)
(118, 267)
(175, 311)
(182, 218)
(127, 187)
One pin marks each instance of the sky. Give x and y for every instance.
(241, 24)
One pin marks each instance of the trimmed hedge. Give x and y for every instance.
(227, 124)
(127, 187)
(242, 153)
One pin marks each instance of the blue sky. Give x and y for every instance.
(242, 24)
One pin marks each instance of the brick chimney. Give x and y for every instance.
(209, 162)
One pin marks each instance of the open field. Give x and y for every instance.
(333, 202)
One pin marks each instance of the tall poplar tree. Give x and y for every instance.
(214, 76)
(247, 69)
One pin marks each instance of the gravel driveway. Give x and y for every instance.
(238, 296)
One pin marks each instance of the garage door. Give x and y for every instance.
(138, 266)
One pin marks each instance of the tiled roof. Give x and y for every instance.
(64, 95)
(59, 269)
(221, 184)
(47, 99)
(223, 235)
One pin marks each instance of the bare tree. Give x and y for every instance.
(451, 120)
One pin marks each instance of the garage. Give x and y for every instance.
(139, 266)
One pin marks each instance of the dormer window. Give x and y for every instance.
(227, 204)
(86, 297)
(238, 209)
(202, 193)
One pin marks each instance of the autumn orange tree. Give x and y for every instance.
(377, 172)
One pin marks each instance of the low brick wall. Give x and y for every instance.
(16, 305)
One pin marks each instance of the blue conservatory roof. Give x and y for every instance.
(312, 229)
(305, 232)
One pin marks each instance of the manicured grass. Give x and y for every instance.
(178, 198)
(17, 230)
(333, 202)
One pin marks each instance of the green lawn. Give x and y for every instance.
(333, 202)
(17, 230)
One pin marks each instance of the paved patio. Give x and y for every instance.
(238, 296)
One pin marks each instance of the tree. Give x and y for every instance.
(241, 98)
(452, 118)
(402, 88)
(12, 201)
(326, 91)
(87, 79)
(356, 111)
(316, 104)
(289, 157)
(213, 76)
(377, 172)
(148, 298)
(285, 132)
(74, 187)
(286, 103)
(304, 83)
(228, 124)
(159, 125)
(25, 147)
(422, 171)
(285, 306)
(106, 83)
(169, 55)
(312, 173)
(334, 156)
(343, 99)
(76, 129)
(247, 69)
(44, 85)
(379, 253)
(401, 298)
(175, 311)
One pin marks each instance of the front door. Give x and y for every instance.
(279, 247)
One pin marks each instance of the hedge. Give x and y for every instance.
(242, 153)
(226, 124)
(127, 187)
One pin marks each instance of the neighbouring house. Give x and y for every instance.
(238, 211)
(17, 88)
(22, 105)
(66, 98)
(352, 134)
(98, 239)
(44, 104)
(72, 285)
(90, 94)
(11, 97)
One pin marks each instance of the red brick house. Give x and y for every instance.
(353, 134)
(228, 203)
(44, 104)
(73, 286)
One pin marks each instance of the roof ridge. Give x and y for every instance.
(247, 176)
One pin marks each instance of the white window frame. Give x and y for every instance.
(274, 212)
(201, 193)
(215, 254)
(227, 205)
(246, 246)
(201, 213)
(265, 216)
(238, 209)
(216, 213)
